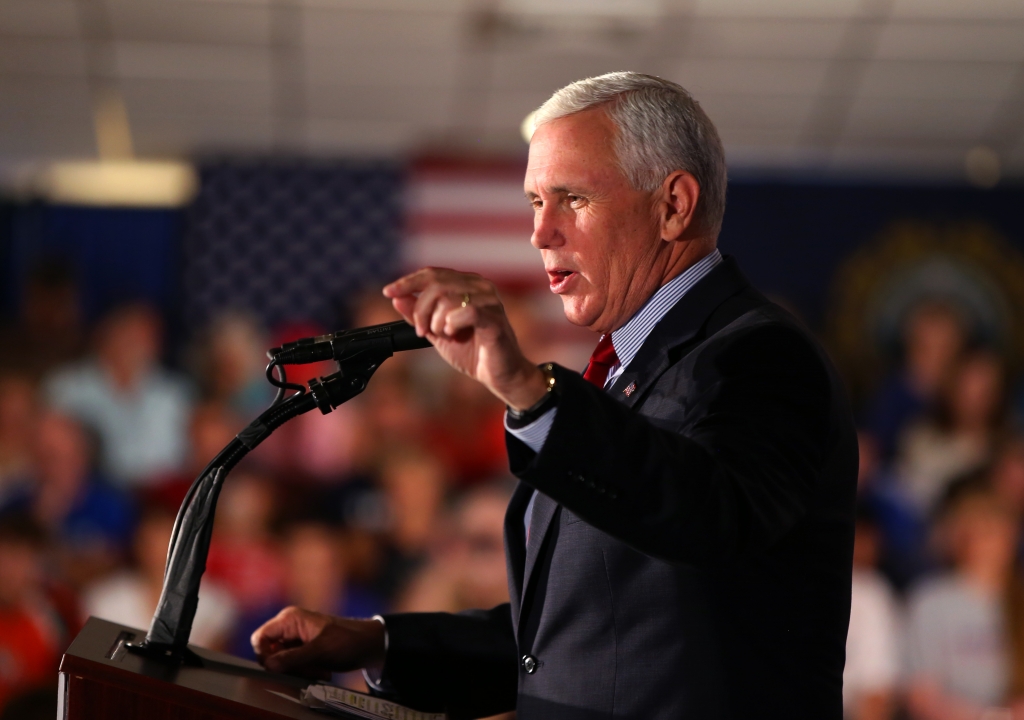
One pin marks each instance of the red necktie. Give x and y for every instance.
(601, 362)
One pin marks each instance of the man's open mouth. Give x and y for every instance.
(558, 278)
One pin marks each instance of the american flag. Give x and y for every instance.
(471, 216)
(289, 240)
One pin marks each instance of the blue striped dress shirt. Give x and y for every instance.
(627, 341)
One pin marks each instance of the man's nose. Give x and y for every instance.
(546, 230)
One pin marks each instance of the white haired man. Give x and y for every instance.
(680, 542)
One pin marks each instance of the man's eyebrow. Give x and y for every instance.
(558, 190)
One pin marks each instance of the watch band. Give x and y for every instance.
(522, 418)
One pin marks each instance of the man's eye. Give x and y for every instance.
(575, 200)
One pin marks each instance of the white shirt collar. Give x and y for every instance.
(628, 338)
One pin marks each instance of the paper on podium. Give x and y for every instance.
(331, 697)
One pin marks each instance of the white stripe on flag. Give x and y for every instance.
(467, 197)
(495, 254)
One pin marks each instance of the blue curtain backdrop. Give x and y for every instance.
(119, 254)
(282, 240)
(790, 239)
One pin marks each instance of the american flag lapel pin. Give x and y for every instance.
(629, 389)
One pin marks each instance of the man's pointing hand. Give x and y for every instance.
(462, 316)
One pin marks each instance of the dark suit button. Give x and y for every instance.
(529, 664)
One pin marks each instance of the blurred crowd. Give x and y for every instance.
(395, 501)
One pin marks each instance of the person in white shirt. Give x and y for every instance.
(872, 644)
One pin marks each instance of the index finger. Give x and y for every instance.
(272, 635)
(409, 284)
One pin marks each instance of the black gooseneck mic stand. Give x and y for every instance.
(358, 353)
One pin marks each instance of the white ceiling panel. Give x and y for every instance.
(402, 6)
(403, 32)
(506, 109)
(973, 41)
(179, 21)
(909, 119)
(901, 79)
(28, 142)
(765, 111)
(191, 61)
(379, 67)
(425, 106)
(745, 160)
(45, 98)
(22, 56)
(959, 9)
(754, 135)
(170, 135)
(778, 8)
(203, 97)
(44, 118)
(39, 18)
(813, 39)
(330, 136)
(531, 68)
(896, 161)
(401, 76)
(756, 77)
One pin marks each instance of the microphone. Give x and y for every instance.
(388, 337)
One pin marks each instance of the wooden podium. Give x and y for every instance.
(100, 678)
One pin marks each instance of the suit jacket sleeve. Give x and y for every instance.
(732, 476)
(464, 664)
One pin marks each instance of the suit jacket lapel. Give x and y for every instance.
(680, 325)
(515, 546)
(544, 511)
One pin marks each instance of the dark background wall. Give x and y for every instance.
(791, 238)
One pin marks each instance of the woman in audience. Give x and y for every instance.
(229, 362)
(934, 334)
(966, 627)
(970, 418)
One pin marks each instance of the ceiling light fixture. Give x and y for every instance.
(125, 183)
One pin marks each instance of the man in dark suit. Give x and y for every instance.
(680, 543)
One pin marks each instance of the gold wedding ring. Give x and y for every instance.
(465, 299)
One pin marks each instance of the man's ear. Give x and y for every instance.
(677, 206)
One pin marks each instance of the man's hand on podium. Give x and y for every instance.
(303, 642)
